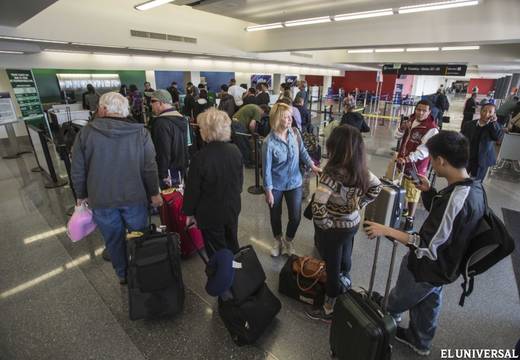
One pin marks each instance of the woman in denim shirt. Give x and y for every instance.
(281, 154)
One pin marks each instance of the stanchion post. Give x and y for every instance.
(256, 189)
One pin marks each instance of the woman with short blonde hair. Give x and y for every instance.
(281, 153)
(214, 184)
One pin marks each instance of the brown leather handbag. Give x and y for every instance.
(309, 268)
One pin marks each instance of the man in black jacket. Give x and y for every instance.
(227, 102)
(305, 114)
(262, 97)
(354, 118)
(439, 248)
(469, 109)
(169, 134)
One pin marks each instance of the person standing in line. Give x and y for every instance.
(282, 151)
(249, 97)
(482, 135)
(354, 118)
(345, 188)
(237, 92)
(174, 92)
(148, 90)
(214, 184)
(302, 93)
(114, 171)
(227, 102)
(262, 97)
(470, 107)
(90, 99)
(135, 99)
(189, 103)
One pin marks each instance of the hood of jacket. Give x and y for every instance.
(112, 127)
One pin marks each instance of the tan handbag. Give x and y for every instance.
(309, 268)
(392, 173)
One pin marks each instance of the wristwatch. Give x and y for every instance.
(413, 241)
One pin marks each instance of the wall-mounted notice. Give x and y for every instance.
(7, 113)
(24, 87)
(262, 78)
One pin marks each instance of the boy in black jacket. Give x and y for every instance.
(437, 251)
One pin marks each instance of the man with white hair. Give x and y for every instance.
(114, 170)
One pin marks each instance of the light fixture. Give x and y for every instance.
(316, 20)
(11, 52)
(360, 51)
(34, 40)
(146, 49)
(436, 6)
(363, 15)
(421, 49)
(277, 25)
(151, 4)
(455, 48)
(97, 45)
(389, 50)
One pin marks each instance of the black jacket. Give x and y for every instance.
(306, 117)
(263, 98)
(227, 104)
(169, 134)
(455, 213)
(442, 102)
(251, 99)
(470, 106)
(491, 133)
(189, 105)
(356, 120)
(214, 185)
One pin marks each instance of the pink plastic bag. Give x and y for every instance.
(81, 223)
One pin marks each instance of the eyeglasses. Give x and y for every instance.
(153, 101)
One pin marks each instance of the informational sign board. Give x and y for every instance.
(7, 113)
(257, 79)
(291, 79)
(39, 152)
(24, 87)
(426, 69)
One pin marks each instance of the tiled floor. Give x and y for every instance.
(60, 300)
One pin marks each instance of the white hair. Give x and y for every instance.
(115, 103)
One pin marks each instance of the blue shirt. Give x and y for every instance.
(281, 161)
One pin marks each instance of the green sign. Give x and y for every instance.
(26, 93)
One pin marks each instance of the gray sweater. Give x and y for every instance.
(113, 164)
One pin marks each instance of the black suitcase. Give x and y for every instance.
(298, 287)
(361, 328)
(155, 286)
(247, 321)
(249, 276)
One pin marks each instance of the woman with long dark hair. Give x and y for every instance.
(346, 186)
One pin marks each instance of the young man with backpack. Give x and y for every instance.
(440, 247)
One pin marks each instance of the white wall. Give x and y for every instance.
(424, 85)
(150, 77)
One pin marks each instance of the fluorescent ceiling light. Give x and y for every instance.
(389, 50)
(277, 25)
(35, 40)
(11, 52)
(455, 48)
(436, 6)
(98, 45)
(146, 49)
(363, 14)
(151, 4)
(422, 49)
(360, 51)
(316, 20)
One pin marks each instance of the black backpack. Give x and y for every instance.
(491, 243)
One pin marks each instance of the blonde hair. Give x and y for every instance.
(115, 103)
(276, 114)
(215, 125)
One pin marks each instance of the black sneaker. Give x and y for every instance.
(408, 225)
(402, 336)
(319, 314)
(105, 255)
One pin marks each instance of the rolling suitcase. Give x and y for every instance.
(387, 207)
(175, 221)
(361, 328)
(155, 286)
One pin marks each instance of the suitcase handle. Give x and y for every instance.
(390, 271)
(201, 255)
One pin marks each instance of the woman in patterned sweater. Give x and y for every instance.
(346, 186)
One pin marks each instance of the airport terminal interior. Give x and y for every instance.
(61, 299)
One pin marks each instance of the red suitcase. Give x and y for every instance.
(175, 221)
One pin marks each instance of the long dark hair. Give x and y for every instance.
(347, 158)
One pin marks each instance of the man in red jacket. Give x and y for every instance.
(413, 154)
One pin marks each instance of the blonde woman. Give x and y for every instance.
(281, 154)
(214, 183)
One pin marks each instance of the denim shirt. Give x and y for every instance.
(281, 162)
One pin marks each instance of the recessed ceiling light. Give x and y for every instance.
(455, 48)
(316, 20)
(389, 50)
(277, 25)
(422, 49)
(33, 40)
(152, 4)
(363, 15)
(436, 6)
(360, 51)
(98, 45)
(11, 52)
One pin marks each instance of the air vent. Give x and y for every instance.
(308, 56)
(160, 36)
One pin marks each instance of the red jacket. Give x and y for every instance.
(412, 138)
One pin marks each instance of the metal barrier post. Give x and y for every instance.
(256, 189)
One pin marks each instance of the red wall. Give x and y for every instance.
(314, 80)
(484, 85)
(363, 80)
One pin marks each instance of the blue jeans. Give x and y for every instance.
(113, 222)
(421, 299)
(293, 199)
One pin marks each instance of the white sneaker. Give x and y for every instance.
(288, 248)
(277, 248)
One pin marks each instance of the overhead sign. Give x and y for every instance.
(7, 113)
(426, 69)
(27, 96)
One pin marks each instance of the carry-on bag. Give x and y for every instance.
(387, 207)
(175, 221)
(155, 286)
(303, 284)
(249, 276)
(361, 328)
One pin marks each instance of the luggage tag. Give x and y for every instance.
(236, 265)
